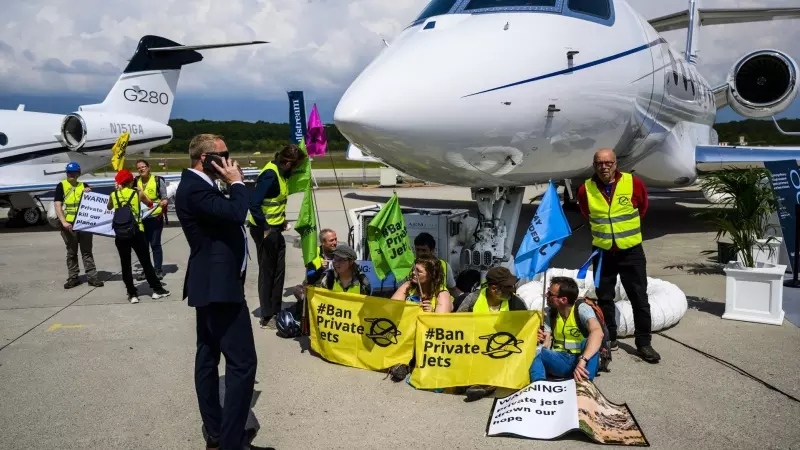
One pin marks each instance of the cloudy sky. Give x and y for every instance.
(55, 55)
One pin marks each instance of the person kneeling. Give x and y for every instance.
(576, 336)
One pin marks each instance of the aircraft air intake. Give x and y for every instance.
(762, 84)
(73, 131)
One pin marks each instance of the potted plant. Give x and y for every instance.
(754, 284)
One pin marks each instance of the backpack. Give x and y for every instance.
(124, 222)
(605, 346)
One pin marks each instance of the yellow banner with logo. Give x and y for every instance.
(361, 331)
(463, 349)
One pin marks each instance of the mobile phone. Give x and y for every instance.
(207, 163)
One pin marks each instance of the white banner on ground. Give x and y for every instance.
(95, 217)
(542, 410)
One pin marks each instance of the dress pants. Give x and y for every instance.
(139, 245)
(224, 328)
(631, 266)
(271, 253)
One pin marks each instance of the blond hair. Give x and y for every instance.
(203, 143)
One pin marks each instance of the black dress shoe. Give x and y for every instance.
(648, 354)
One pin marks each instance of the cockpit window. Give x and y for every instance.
(436, 8)
(483, 4)
(3, 139)
(597, 8)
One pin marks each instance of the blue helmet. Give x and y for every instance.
(286, 324)
(73, 167)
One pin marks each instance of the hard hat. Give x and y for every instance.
(73, 167)
(286, 325)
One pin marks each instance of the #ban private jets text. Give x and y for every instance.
(36, 147)
(496, 95)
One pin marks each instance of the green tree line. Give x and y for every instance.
(242, 137)
(759, 132)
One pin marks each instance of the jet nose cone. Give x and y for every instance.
(353, 116)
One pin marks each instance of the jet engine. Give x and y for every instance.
(762, 84)
(73, 131)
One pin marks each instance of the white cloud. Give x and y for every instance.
(316, 45)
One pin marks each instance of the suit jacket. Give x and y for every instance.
(213, 227)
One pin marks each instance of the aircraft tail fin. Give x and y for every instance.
(148, 84)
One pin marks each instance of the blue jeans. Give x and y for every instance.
(153, 226)
(560, 364)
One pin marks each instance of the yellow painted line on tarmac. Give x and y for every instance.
(57, 326)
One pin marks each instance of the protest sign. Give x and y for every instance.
(785, 182)
(551, 409)
(462, 349)
(95, 217)
(361, 331)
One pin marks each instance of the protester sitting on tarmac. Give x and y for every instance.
(425, 245)
(344, 274)
(496, 295)
(576, 340)
(125, 195)
(316, 268)
(426, 287)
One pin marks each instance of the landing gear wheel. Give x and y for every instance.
(32, 216)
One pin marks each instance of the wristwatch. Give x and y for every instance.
(584, 359)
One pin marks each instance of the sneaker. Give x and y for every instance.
(71, 283)
(614, 346)
(648, 354)
(95, 282)
(159, 293)
(478, 392)
(268, 323)
(133, 299)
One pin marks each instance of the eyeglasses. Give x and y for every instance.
(604, 163)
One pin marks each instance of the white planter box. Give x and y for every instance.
(754, 294)
(762, 255)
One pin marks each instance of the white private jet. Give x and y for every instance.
(36, 147)
(496, 95)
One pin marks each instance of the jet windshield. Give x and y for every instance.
(594, 10)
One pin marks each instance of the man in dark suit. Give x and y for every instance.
(214, 284)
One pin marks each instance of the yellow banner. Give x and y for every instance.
(361, 331)
(119, 150)
(463, 349)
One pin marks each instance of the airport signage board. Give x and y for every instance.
(786, 185)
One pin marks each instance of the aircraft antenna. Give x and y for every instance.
(692, 29)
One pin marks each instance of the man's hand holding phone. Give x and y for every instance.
(229, 170)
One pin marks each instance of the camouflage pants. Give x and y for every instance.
(75, 240)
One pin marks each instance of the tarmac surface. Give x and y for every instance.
(82, 368)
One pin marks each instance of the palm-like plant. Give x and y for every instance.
(747, 201)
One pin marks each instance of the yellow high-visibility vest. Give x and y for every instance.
(482, 304)
(274, 209)
(71, 199)
(121, 197)
(567, 337)
(444, 273)
(151, 190)
(618, 222)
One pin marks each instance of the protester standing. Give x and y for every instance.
(214, 285)
(66, 199)
(267, 223)
(614, 202)
(126, 196)
(156, 190)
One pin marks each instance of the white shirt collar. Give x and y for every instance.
(203, 175)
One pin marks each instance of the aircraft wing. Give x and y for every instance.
(34, 188)
(732, 155)
(680, 20)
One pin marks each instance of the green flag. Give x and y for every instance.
(301, 178)
(389, 245)
(306, 226)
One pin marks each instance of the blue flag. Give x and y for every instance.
(544, 237)
(297, 117)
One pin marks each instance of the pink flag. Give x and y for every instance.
(316, 141)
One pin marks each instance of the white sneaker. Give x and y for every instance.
(160, 294)
(133, 299)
